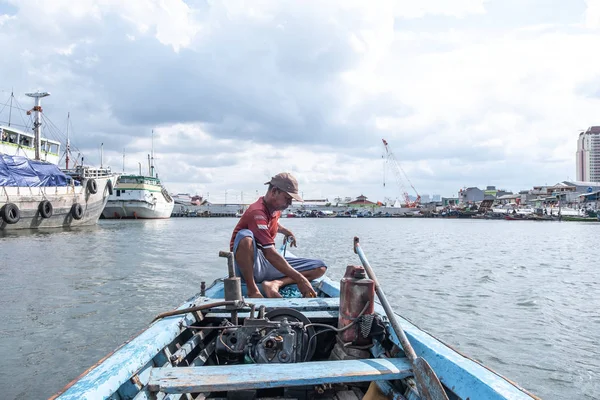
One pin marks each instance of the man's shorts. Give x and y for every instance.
(263, 270)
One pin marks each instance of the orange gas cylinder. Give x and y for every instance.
(355, 291)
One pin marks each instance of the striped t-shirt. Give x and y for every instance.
(261, 222)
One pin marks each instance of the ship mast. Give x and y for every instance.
(37, 124)
(152, 158)
(12, 95)
(68, 149)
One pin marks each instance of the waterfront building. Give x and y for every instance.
(311, 203)
(475, 195)
(588, 155)
(470, 195)
(449, 201)
(361, 201)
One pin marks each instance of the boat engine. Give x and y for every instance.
(279, 336)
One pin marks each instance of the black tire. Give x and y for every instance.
(77, 211)
(92, 186)
(10, 213)
(45, 208)
(109, 185)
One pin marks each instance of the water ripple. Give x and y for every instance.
(500, 292)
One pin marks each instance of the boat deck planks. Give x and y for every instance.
(261, 376)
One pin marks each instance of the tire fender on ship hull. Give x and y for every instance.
(45, 208)
(10, 213)
(77, 211)
(92, 186)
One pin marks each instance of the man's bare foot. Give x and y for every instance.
(254, 294)
(271, 288)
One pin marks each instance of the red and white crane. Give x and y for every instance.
(390, 160)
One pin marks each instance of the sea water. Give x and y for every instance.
(521, 297)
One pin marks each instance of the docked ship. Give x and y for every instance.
(35, 193)
(139, 197)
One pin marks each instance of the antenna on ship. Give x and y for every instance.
(152, 158)
(37, 109)
(101, 154)
(123, 160)
(68, 147)
(12, 95)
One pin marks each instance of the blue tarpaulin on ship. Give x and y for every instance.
(21, 171)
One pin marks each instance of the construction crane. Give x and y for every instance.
(390, 159)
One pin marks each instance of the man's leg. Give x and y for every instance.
(244, 258)
(272, 287)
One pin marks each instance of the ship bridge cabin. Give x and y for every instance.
(16, 142)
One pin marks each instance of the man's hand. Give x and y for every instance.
(306, 288)
(291, 239)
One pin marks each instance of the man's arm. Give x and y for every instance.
(282, 266)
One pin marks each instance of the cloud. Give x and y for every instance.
(238, 91)
(592, 14)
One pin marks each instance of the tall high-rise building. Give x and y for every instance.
(588, 155)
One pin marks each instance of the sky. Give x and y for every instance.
(465, 92)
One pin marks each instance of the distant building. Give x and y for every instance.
(588, 155)
(436, 198)
(569, 191)
(360, 202)
(449, 201)
(186, 199)
(470, 195)
(475, 195)
(312, 203)
(576, 189)
(196, 200)
(425, 199)
(492, 193)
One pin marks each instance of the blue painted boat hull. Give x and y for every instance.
(150, 363)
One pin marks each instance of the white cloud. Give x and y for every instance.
(237, 91)
(592, 14)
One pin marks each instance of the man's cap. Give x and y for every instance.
(287, 183)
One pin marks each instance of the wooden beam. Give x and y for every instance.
(260, 376)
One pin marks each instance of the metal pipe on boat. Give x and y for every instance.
(428, 384)
(236, 303)
(232, 286)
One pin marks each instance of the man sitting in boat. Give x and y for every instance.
(253, 244)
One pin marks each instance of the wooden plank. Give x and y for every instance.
(260, 376)
(146, 394)
(187, 348)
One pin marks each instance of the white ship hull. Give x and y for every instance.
(119, 209)
(64, 201)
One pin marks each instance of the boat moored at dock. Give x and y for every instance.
(138, 196)
(35, 193)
